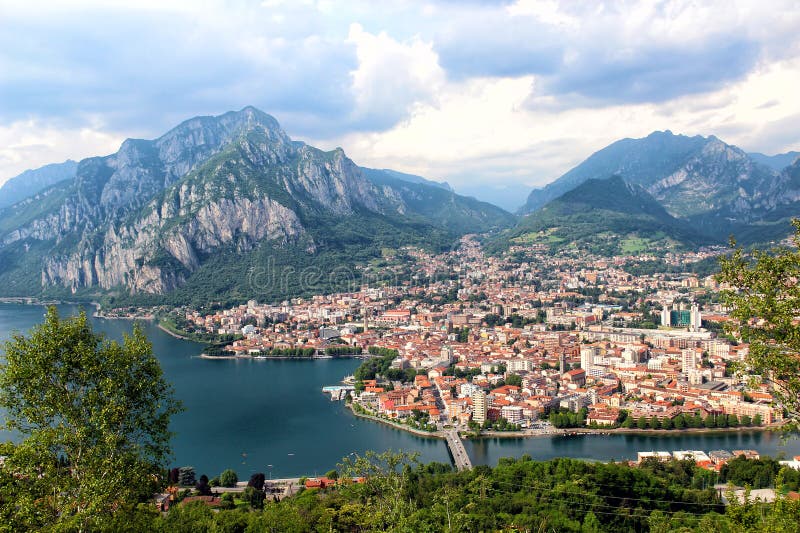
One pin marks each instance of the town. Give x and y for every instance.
(527, 343)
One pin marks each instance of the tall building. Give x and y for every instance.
(447, 353)
(678, 316)
(696, 319)
(562, 363)
(688, 360)
(479, 406)
(666, 316)
(587, 358)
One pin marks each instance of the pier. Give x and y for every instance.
(457, 450)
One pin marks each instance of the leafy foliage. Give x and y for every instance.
(399, 494)
(765, 302)
(92, 416)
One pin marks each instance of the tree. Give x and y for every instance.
(514, 379)
(92, 416)
(228, 478)
(254, 497)
(764, 299)
(387, 478)
(202, 486)
(186, 476)
(257, 481)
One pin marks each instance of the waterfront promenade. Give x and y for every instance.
(456, 446)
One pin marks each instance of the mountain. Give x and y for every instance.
(442, 206)
(224, 207)
(775, 162)
(639, 161)
(716, 187)
(33, 181)
(378, 175)
(606, 216)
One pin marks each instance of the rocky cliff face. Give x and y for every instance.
(157, 253)
(719, 178)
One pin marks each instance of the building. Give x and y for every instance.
(587, 358)
(688, 360)
(577, 377)
(479, 406)
(678, 317)
(512, 413)
(695, 318)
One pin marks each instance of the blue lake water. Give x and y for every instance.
(247, 415)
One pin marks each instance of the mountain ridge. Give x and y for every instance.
(146, 219)
(715, 186)
(33, 181)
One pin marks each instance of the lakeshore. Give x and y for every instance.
(177, 335)
(561, 432)
(396, 425)
(267, 436)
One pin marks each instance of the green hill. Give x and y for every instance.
(606, 216)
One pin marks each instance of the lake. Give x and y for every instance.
(250, 414)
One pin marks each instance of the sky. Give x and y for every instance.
(477, 93)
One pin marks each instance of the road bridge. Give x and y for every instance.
(457, 450)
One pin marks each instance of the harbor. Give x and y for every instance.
(338, 392)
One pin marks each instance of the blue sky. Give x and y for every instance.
(475, 93)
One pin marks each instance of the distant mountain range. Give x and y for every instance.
(715, 188)
(775, 162)
(224, 207)
(31, 182)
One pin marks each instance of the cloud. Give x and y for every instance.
(510, 91)
(487, 42)
(391, 77)
(169, 62)
(32, 144)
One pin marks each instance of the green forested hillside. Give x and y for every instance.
(516, 495)
(605, 216)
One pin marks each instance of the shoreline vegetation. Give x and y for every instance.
(175, 333)
(558, 432)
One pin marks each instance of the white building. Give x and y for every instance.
(479, 406)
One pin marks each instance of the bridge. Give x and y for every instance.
(457, 450)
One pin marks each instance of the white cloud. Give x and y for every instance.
(392, 74)
(457, 91)
(547, 11)
(486, 129)
(32, 144)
